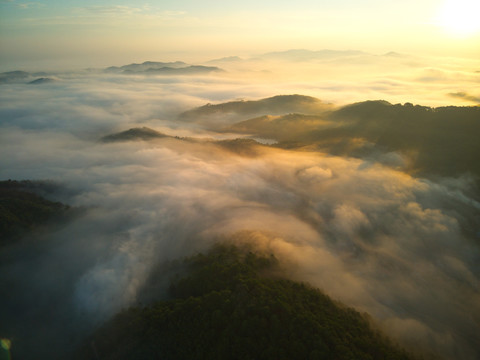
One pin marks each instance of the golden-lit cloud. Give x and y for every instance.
(402, 248)
(371, 236)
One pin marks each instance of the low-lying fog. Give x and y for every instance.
(372, 236)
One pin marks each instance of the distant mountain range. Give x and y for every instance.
(24, 77)
(304, 55)
(180, 67)
(147, 65)
(162, 68)
(146, 68)
(13, 76)
(183, 68)
(42, 80)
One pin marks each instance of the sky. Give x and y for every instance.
(100, 33)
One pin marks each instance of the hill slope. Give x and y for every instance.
(21, 210)
(230, 305)
(229, 112)
(442, 141)
(436, 141)
(143, 133)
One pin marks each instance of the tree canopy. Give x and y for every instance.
(231, 304)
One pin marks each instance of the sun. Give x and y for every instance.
(460, 17)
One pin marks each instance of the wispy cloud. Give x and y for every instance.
(465, 96)
(122, 10)
(30, 5)
(23, 5)
(101, 16)
(111, 10)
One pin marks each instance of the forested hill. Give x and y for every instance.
(230, 305)
(280, 104)
(440, 141)
(21, 210)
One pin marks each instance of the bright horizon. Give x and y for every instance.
(69, 34)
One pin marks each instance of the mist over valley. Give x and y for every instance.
(361, 183)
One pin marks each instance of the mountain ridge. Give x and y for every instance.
(134, 134)
(275, 105)
(441, 140)
(166, 68)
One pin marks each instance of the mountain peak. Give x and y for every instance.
(138, 133)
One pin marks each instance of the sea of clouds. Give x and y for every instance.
(373, 237)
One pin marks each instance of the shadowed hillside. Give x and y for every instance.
(435, 141)
(21, 210)
(442, 141)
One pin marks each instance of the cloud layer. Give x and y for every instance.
(372, 237)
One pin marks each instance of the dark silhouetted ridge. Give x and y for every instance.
(441, 141)
(11, 76)
(193, 69)
(162, 68)
(145, 66)
(21, 210)
(143, 133)
(41, 80)
(364, 109)
(276, 105)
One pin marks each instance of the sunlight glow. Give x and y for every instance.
(460, 17)
(5, 344)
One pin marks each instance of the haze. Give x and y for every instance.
(103, 33)
(169, 125)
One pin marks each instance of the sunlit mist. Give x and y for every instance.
(340, 137)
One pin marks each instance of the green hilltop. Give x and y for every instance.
(233, 303)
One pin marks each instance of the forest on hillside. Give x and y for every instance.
(235, 303)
